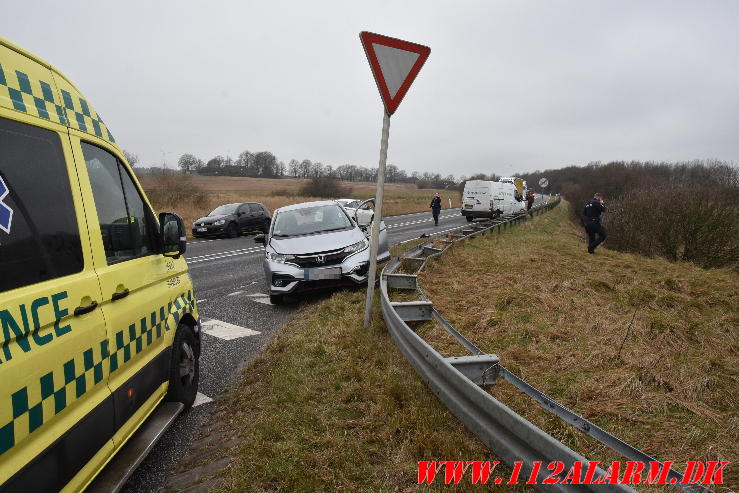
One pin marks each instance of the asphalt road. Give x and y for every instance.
(229, 286)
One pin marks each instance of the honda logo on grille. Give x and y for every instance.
(320, 259)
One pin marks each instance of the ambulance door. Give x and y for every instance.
(56, 411)
(137, 282)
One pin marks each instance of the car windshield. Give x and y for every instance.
(310, 220)
(224, 210)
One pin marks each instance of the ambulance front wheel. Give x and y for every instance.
(184, 371)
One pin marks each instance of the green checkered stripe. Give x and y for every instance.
(36, 98)
(82, 116)
(32, 406)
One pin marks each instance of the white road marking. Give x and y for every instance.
(220, 255)
(260, 298)
(226, 331)
(226, 251)
(196, 241)
(201, 399)
(426, 220)
(417, 213)
(235, 293)
(258, 249)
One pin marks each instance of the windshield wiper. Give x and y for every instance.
(332, 229)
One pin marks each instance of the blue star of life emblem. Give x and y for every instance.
(6, 213)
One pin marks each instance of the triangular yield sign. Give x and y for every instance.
(395, 64)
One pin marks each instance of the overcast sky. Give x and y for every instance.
(509, 86)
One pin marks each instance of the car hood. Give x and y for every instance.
(212, 219)
(324, 242)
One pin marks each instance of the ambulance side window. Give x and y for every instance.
(126, 223)
(39, 239)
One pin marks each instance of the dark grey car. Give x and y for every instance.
(233, 219)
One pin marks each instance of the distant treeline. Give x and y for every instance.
(685, 211)
(266, 165)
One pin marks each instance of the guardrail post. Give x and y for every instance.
(480, 368)
(413, 311)
(427, 250)
(402, 281)
(412, 263)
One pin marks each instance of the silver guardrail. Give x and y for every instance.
(459, 381)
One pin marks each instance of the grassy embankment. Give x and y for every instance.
(212, 191)
(559, 318)
(329, 406)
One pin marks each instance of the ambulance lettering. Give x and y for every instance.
(17, 327)
(6, 213)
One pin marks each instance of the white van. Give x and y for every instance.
(489, 199)
(520, 185)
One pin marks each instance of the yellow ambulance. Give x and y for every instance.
(99, 331)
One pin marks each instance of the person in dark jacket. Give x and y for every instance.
(436, 208)
(593, 209)
(530, 200)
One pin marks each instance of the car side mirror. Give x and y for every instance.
(172, 234)
(259, 239)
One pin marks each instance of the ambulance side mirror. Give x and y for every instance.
(172, 233)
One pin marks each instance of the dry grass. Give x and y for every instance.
(274, 193)
(329, 406)
(558, 317)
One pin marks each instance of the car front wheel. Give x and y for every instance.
(275, 299)
(232, 231)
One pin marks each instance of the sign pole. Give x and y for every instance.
(375, 239)
(395, 64)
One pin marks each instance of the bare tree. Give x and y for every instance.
(189, 163)
(132, 158)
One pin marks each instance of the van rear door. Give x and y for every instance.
(477, 196)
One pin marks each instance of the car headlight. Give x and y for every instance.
(219, 222)
(279, 257)
(355, 247)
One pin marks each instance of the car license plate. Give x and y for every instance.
(468, 206)
(319, 274)
(202, 229)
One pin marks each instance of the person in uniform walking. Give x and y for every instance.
(436, 208)
(593, 209)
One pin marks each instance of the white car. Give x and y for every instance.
(315, 245)
(361, 208)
